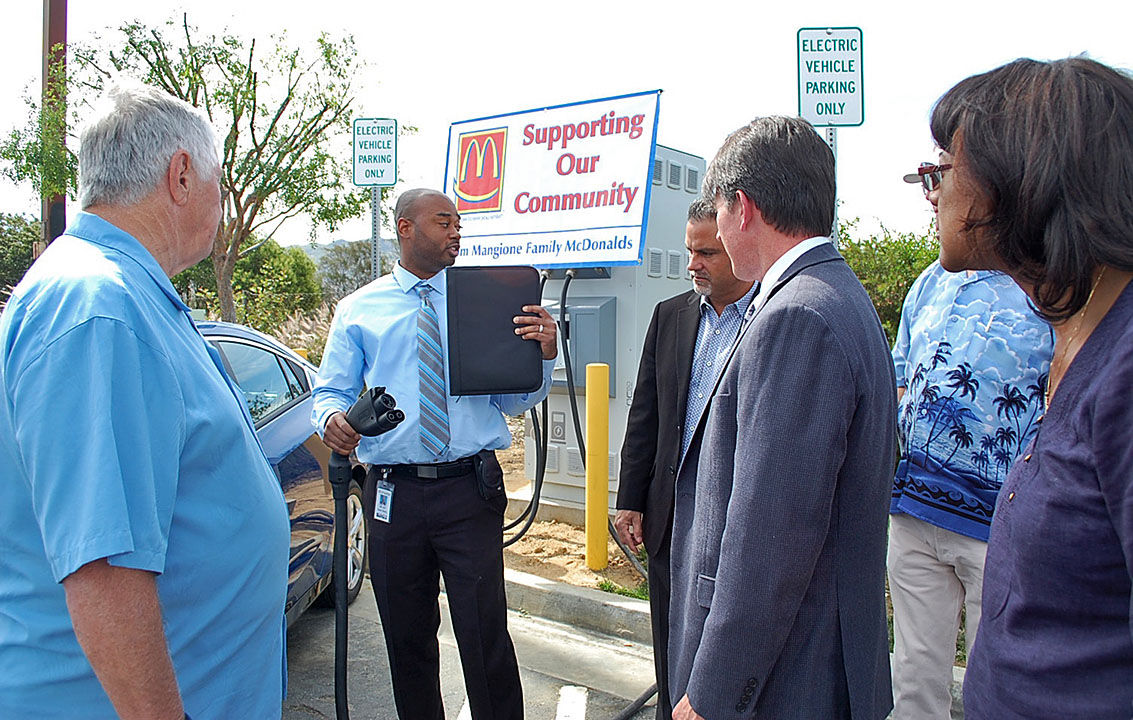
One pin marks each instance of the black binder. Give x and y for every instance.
(485, 356)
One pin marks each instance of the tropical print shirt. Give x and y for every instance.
(973, 358)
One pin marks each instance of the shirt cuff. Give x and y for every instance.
(321, 425)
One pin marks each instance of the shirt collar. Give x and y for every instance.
(96, 230)
(741, 305)
(971, 276)
(780, 266)
(408, 282)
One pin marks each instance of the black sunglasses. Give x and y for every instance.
(928, 175)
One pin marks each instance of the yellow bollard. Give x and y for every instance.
(597, 464)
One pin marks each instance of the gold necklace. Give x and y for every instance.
(1060, 357)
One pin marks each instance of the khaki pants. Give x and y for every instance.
(933, 572)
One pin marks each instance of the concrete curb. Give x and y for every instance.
(594, 610)
(615, 615)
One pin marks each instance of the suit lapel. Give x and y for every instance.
(688, 323)
(823, 253)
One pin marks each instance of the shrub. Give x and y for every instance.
(887, 264)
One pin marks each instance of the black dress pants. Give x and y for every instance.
(444, 526)
(660, 585)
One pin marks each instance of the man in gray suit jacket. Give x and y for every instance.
(688, 340)
(778, 564)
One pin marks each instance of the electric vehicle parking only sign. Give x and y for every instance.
(375, 152)
(830, 76)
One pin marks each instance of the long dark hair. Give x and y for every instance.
(1050, 144)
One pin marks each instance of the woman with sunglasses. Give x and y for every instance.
(1035, 179)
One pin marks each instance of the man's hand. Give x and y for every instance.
(684, 711)
(339, 436)
(116, 615)
(628, 525)
(538, 326)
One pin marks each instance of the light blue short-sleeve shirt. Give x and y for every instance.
(121, 437)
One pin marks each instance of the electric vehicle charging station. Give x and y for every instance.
(608, 313)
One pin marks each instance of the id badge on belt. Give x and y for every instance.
(383, 501)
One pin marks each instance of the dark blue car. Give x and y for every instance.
(277, 384)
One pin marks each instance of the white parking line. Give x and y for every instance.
(465, 713)
(572, 703)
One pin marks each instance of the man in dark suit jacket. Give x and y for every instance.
(655, 431)
(778, 606)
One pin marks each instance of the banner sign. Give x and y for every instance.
(564, 186)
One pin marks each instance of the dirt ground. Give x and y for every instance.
(555, 550)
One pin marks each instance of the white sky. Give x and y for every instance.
(719, 63)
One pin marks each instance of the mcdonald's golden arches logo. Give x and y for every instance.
(480, 173)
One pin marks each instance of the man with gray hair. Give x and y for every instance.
(778, 604)
(146, 537)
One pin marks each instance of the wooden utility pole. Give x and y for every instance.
(54, 89)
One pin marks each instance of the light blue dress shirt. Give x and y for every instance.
(373, 343)
(714, 339)
(121, 437)
(973, 358)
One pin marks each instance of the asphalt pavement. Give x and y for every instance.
(583, 655)
(569, 672)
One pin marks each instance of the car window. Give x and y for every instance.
(299, 374)
(267, 382)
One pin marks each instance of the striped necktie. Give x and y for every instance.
(431, 364)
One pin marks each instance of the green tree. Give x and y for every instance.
(273, 284)
(887, 264)
(345, 267)
(198, 278)
(283, 114)
(269, 284)
(276, 282)
(36, 153)
(17, 235)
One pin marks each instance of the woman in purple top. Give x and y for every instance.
(1035, 179)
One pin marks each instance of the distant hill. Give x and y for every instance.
(315, 251)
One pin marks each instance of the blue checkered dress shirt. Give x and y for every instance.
(714, 341)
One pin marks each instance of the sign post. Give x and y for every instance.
(375, 166)
(830, 83)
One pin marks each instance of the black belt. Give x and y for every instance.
(433, 471)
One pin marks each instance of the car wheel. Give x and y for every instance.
(356, 548)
